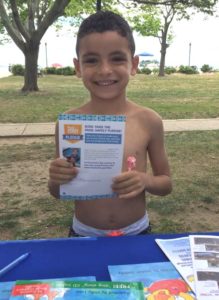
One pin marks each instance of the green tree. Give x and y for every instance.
(26, 22)
(99, 5)
(3, 36)
(155, 21)
(154, 18)
(205, 6)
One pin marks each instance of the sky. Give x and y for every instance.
(195, 41)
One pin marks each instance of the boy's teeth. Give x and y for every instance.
(104, 83)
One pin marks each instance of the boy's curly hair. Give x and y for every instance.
(102, 21)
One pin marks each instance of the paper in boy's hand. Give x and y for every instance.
(94, 144)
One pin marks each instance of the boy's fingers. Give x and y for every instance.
(63, 170)
(122, 185)
(60, 178)
(120, 178)
(124, 190)
(128, 195)
(61, 163)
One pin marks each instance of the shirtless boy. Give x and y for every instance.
(105, 61)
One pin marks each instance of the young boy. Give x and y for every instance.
(105, 60)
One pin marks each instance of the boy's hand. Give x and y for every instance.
(61, 171)
(129, 184)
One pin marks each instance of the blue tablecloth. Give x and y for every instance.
(79, 256)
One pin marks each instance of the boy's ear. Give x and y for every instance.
(77, 67)
(135, 62)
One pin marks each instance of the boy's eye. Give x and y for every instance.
(90, 60)
(118, 58)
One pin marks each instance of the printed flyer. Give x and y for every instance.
(94, 144)
(179, 253)
(205, 258)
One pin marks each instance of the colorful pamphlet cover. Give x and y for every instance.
(94, 144)
(161, 280)
(6, 287)
(68, 290)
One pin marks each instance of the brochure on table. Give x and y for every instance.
(161, 280)
(205, 258)
(179, 253)
(6, 287)
(63, 290)
(95, 145)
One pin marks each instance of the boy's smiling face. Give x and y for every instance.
(105, 64)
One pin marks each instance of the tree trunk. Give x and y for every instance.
(31, 58)
(98, 5)
(163, 50)
(162, 58)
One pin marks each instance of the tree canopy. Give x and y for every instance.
(27, 21)
(155, 20)
(206, 6)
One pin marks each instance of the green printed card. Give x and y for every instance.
(68, 290)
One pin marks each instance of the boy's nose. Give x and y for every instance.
(105, 67)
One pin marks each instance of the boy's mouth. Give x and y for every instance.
(105, 82)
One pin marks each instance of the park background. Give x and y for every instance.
(195, 42)
(27, 210)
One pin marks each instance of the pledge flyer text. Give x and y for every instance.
(94, 144)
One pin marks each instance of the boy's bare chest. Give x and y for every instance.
(136, 141)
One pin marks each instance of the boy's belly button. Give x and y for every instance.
(112, 220)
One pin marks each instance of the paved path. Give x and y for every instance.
(48, 129)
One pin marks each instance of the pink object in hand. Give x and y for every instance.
(131, 163)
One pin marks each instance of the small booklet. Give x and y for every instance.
(94, 144)
(205, 258)
(68, 290)
(6, 287)
(179, 253)
(161, 280)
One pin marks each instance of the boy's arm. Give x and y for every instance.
(158, 183)
(60, 171)
(130, 184)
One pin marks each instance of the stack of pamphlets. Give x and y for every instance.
(197, 259)
(77, 290)
(161, 280)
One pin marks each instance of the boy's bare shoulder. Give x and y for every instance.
(144, 114)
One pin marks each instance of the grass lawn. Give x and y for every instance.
(27, 210)
(173, 97)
